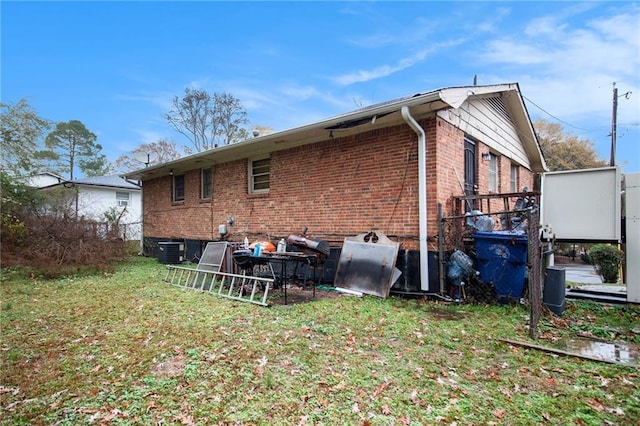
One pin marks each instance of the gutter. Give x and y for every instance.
(422, 195)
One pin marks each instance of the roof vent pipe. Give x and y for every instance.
(422, 195)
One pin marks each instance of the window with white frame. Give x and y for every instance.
(122, 199)
(493, 173)
(259, 175)
(206, 184)
(513, 184)
(178, 188)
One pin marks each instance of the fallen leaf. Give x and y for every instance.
(595, 404)
(617, 411)
(262, 361)
(499, 413)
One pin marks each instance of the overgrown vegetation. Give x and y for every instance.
(607, 260)
(40, 229)
(127, 348)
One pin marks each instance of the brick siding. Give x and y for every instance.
(336, 188)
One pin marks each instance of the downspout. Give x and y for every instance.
(142, 253)
(422, 195)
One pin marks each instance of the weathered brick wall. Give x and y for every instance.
(336, 188)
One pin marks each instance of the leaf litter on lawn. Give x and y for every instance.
(129, 348)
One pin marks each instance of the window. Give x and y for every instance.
(122, 198)
(513, 185)
(259, 170)
(178, 188)
(493, 173)
(205, 184)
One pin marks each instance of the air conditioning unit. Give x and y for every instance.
(123, 203)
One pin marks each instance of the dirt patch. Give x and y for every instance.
(297, 294)
(171, 368)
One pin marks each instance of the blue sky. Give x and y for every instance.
(116, 66)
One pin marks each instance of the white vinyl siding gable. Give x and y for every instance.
(487, 119)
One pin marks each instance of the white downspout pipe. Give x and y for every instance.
(422, 195)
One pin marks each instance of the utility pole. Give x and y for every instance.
(614, 118)
(614, 123)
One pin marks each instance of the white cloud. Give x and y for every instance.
(162, 100)
(569, 67)
(362, 76)
(513, 52)
(490, 25)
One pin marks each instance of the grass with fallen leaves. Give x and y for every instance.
(127, 348)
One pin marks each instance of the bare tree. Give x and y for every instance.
(227, 119)
(148, 154)
(21, 138)
(208, 120)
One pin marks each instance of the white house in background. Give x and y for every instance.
(99, 194)
(44, 180)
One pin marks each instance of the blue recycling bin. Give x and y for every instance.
(502, 260)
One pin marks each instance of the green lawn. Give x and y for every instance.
(127, 348)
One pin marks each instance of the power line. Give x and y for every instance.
(556, 118)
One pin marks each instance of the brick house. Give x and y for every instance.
(361, 171)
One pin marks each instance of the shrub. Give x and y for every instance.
(607, 260)
(40, 229)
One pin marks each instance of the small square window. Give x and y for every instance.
(178, 188)
(122, 199)
(206, 184)
(259, 175)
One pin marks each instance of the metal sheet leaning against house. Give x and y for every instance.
(367, 264)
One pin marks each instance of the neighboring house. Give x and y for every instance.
(44, 179)
(97, 195)
(385, 167)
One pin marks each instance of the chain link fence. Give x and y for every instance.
(516, 214)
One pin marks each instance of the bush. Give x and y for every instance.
(607, 260)
(40, 230)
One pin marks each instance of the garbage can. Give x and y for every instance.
(168, 252)
(554, 290)
(502, 260)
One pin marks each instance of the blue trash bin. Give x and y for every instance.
(502, 260)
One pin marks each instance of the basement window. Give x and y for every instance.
(178, 188)
(259, 175)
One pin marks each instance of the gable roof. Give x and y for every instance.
(110, 181)
(365, 119)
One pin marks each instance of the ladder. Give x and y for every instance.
(207, 276)
(243, 288)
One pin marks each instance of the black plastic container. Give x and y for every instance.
(553, 294)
